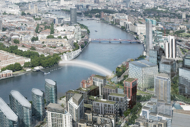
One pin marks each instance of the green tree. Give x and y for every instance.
(59, 37)
(33, 48)
(122, 27)
(17, 67)
(23, 13)
(16, 41)
(37, 28)
(50, 36)
(52, 29)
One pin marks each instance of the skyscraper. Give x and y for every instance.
(50, 91)
(22, 108)
(148, 36)
(170, 47)
(73, 15)
(1, 25)
(76, 107)
(7, 117)
(162, 87)
(38, 109)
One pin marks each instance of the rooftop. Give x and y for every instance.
(129, 79)
(7, 111)
(52, 107)
(110, 87)
(37, 92)
(143, 63)
(89, 88)
(99, 76)
(105, 101)
(88, 105)
(116, 94)
(93, 97)
(49, 81)
(20, 98)
(72, 91)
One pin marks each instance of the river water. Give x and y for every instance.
(69, 77)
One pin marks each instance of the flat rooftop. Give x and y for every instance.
(117, 94)
(7, 111)
(99, 76)
(129, 79)
(105, 101)
(143, 63)
(110, 87)
(20, 98)
(37, 92)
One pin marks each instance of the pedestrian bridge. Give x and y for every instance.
(88, 65)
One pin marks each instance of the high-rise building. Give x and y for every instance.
(167, 66)
(7, 117)
(22, 108)
(50, 91)
(170, 47)
(108, 89)
(155, 55)
(130, 89)
(38, 106)
(128, 3)
(183, 15)
(144, 71)
(99, 81)
(57, 116)
(35, 9)
(184, 81)
(73, 15)
(149, 44)
(162, 87)
(186, 60)
(1, 27)
(76, 107)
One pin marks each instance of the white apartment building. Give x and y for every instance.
(170, 47)
(57, 117)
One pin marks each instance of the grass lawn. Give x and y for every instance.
(139, 92)
(152, 89)
(17, 72)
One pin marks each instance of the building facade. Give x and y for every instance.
(76, 108)
(170, 47)
(57, 116)
(184, 81)
(167, 66)
(50, 91)
(73, 15)
(22, 108)
(103, 106)
(144, 71)
(99, 81)
(130, 89)
(108, 89)
(149, 44)
(162, 87)
(122, 101)
(38, 106)
(7, 117)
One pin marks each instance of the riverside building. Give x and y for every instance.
(57, 116)
(7, 117)
(22, 108)
(144, 71)
(50, 91)
(38, 106)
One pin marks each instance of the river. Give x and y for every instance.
(69, 77)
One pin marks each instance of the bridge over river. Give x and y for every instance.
(115, 40)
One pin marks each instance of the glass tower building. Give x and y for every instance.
(7, 117)
(50, 91)
(73, 15)
(38, 109)
(162, 87)
(144, 71)
(184, 81)
(22, 108)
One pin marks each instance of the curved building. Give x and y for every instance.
(38, 108)
(22, 108)
(7, 117)
(50, 91)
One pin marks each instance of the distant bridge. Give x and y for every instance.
(115, 40)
